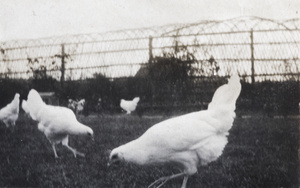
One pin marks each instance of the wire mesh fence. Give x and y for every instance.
(258, 49)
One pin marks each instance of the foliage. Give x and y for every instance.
(271, 98)
(40, 80)
(167, 79)
(39, 67)
(10, 87)
(45, 84)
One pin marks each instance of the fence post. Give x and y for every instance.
(150, 61)
(150, 49)
(252, 58)
(253, 104)
(62, 77)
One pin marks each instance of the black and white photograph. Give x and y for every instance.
(150, 93)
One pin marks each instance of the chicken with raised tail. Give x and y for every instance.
(24, 107)
(56, 122)
(10, 113)
(129, 106)
(189, 141)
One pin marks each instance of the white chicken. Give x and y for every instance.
(129, 106)
(189, 140)
(24, 107)
(56, 122)
(80, 106)
(72, 104)
(10, 113)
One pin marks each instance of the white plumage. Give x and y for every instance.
(189, 140)
(24, 106)
(129, 106)
(72, 104)
(56, 122)
(76, 106)
(10, 113)
(80, 106)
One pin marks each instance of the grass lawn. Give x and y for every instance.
(262, 152)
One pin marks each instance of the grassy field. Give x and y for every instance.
(262, 152)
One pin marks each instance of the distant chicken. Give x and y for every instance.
(187, 141)
(72, 104)
(129, 106)
(10, 113)
(76, 106)
(56, 122)
(80, 106)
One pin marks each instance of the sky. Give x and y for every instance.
(32, 19)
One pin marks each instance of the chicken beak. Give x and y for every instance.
(113, 162)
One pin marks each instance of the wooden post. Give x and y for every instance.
(150, 49)
(62, 77)
(252, 58)
(252, 71)
(150, 71)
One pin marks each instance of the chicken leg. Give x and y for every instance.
(65, 142)
(161, 181)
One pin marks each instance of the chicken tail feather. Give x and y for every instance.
(223, 103)
(34, 103)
